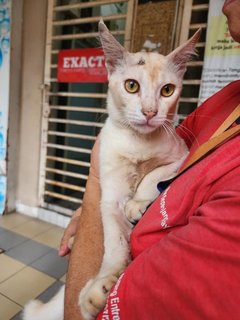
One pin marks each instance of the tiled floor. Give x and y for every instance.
(29, 264)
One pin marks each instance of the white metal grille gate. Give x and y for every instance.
(73, 113)
(194, 16)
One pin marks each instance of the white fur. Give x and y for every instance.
(53, 310)
(129, 139)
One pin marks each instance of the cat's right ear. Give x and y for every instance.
(181, 55)
(114, 53)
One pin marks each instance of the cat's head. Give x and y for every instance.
(143, 87)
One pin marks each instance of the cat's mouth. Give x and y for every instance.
(146, 126)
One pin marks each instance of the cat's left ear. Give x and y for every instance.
(114, 53)
(181, 55)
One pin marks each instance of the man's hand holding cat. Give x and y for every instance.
(69, 233)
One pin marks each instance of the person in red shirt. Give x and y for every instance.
(186, 248)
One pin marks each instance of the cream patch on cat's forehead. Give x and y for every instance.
(147, 60)
(151, 63)
(146, 57)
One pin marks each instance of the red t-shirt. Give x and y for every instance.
(186, 248)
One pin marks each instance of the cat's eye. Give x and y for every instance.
(167, 90)
(131, 86)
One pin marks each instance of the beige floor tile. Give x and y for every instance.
(32, 228)
(51, 237)
(12, 220)
(8, 309)
(25, 285)
(8, 267)
(63, 279)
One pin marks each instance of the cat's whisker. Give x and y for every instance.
(200, 116)
(170, 122)
(125, 123)
(167, 129)
(171, 115)
(189, 134)
(170, 130)
(101, 117)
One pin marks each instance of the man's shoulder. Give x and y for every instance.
(205, 120)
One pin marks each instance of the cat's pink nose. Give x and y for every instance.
(149, 114)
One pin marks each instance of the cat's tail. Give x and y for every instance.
(52, 310)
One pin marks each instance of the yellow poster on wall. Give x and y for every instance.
(222, 53)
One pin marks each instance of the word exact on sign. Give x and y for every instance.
(82, 65)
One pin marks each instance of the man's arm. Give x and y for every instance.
(87, 251)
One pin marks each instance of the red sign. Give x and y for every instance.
(82, 65)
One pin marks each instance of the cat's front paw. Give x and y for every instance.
(93, 296)
(134, 210)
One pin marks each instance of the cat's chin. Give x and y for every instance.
(144, 128)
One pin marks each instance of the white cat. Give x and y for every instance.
(138, 149)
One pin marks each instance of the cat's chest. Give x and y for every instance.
(122, 146)
(135, 152)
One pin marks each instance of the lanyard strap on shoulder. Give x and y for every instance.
(228, 122)
(220, 135)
